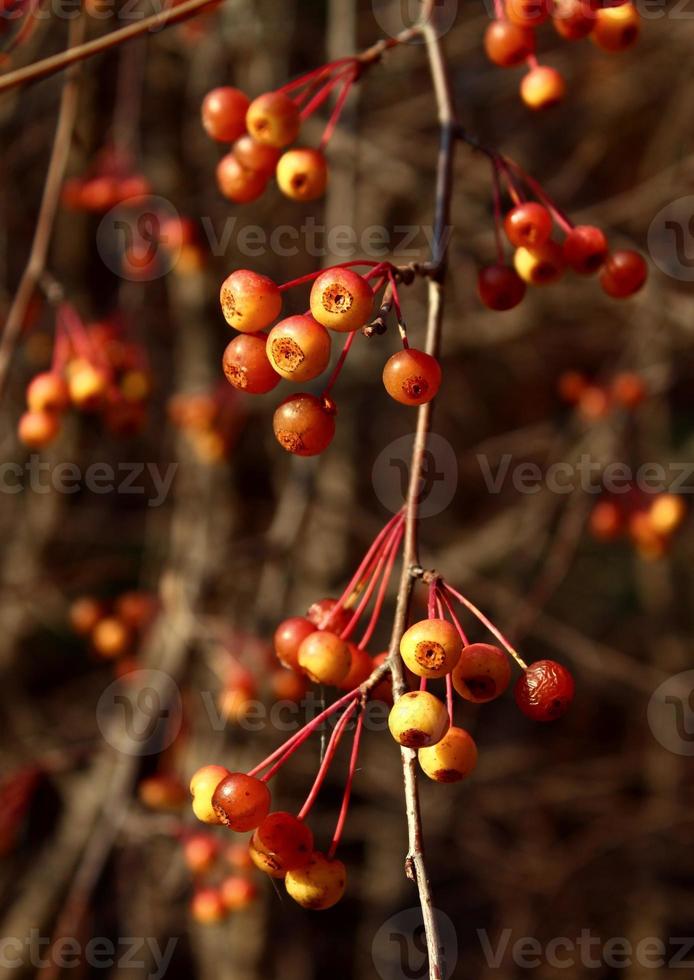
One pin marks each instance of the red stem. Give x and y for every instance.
(337, 111)
(340, 363)
(321, 96)
(327, 760)
(449, 696)
(339, 827)
(486, 622)
(559, 216)
(314, 275)
(320, 72)
(381, 594)
(456, 621)
(498, 214)
(374, 573)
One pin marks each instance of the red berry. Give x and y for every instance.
(628, 389)
(542, 87)
(324, 657)
(616, 28)
(360, 669)
(37, 429)
(507, 44)
(482, 673)
(246, 366)
(237, 183)
(280, 844)
(320, 613)
(571, 386)
(573, 19)
(289, 636)
(623, 274)
(304, 425)
(249, 301)
(302, 174)
(48, 392)
(256, 156)
(527, 13)
(241, 802)
(585, 249)
(341, 300)
(500, 287)
(528, 225)
(412, 377)
(200, 852)
(298, 348)
(606, 521)
(540, 265)
(273, 119)
(224, 113)
(544, 691)
(237, 893)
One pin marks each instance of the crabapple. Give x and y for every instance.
(304, 425)
(280, 844)
(544, 691)
(207, 907)
(628, 389)
(571, 386)
(302, 174)
(500, 287)
(287, 685)
(542, 87)
(84, 614)
(667, 513)
(318, 885)
(246, 366)
(431, 647)
(341, 300)
(616, 28)
(361, 667)
(324, 657)
(38, 429)
(273, 119)
(162, 791)
(412, 377)
(238, 183)
(540, 266)
(298, 348)
(249, 301)
(451, 759)
(224, 113)
(241, 802)
(256, 156)
(200, 852)
(508, 44)
(321, 614)
(237, 893)
(528, 225)
(202, 786)
(623, 273)
(87, 385)
(527, 13)
(482, 673)
(585, 249)
(110, 637)
(418, 719)
(289, 636)
(48, 392)
(573, 19)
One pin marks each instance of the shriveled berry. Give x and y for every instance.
(237, 183)
(298, 348)
(246, 366)
(540, 266)
(585, 249)
(280, 844)
(544, 691)
(324, 657)
(542, 87)
(241, 802)
(202, 786)
(412, 377)
(304, 425)
(224, 113)
(249, 300)
(500, 287)
(418, 719)
(302, 174)
(451, 759)
(616, 27)
(623, 274)
(289, 636)
(273, 119)
(431, 648)
(318, 885)
(528, 225)
(341, 300)
(507, 44)
(482, 673)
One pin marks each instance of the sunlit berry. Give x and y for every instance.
(573, 19)
(207, 907)
(623, 274)
(585, 249)
(542, 87)
(87, 385)
(412, 377)
(237, 893)
(628, 389)
(287, 685)
(341, 300)
(304, 425)
(361, 667)
(162, 791)
(273, 119)
(418, 719)
(136, 609)
(451, 759)
(321, 614)
(528, 225)
(507, 44)
(250, 301)
(500, 287)
(241, 802)
(606, 521)
(540, 266)
(302, 174)
(667, 513)
(48, 392)
(111, 637)
(202, 786)
(544, 691)
(224, 113)
(527, 13)
(571, 386)
(38, 429)
(256, 156)
(289, 636)
(320, 884)
(616, 27)
(84, 614)
(298, 348)
(237, 183)
(482, 673)
(280, 844)
(99, 193)
(431, 647)
(200, 852)
(246, 366)
(324, 657)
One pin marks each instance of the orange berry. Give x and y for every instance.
(571, 386)
(246, 366)
(542, 87)
(304, 425)
(250, 301)
(341, 300)
(84, 614)
(302, 174)
(87, 385)
(482, 673)
(418, 719)
(224, 113)
(38, 429)
(573, 19)
(110, 637)
(616, 28)
(280, 844)
(318, 885)
(162, 792)
(431, 648)
(412, 377)
(273, 119)
(207, 907)
(451, 759)
(324, 657)
(200, 852)
(48, 392)
(527, 13)
(237, 183)
(241, 802)
(606, 521)
(256, 156)
(298, 348)
(628, 389)
(237, 893)
(507, 44)
(360, 669)
(667, 513)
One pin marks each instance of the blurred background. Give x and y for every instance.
(580, 827)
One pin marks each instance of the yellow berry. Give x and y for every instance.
(325, 657)
(431, 648)
(451, 759)
(418, 719)
(203, 784)
(318, 885)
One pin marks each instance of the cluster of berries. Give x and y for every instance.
(95, 369)
(222, 884)
(115, 629)
(109, 182)
(241, 689)
(298, 348)
(612, 25)
(593, 400)
(649, 521)
(210, 421)
(319, 645)
(538, 258)
(260, 130)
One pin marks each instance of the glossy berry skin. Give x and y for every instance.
(528, 225)
(360, 669)
(303, 425)
(616, 28)
(289, 636)
(224, 113)
(237, 893)
(507, 44)
(241, 802)
(38, 429)
(482, 673)
(451, 759)
(542, 87)
(623, 274)
(280, 844)
(250, 301)
(246, 366)
(431, 648)
(544, 691)
(202, 786)
(585, 249)
(540, 266)
(110, 637)
(273, 119)
(207, 907)
(341, 300)
(200, 852)
(418, 719)
(298, 348)
(48, 392)
(256, 156)
(527, 13)
(321, 614)
(302, 174)
(573, 19)
(319, 885)
(500, 287)
(324, 657)
(412, 377)
(237, 183)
